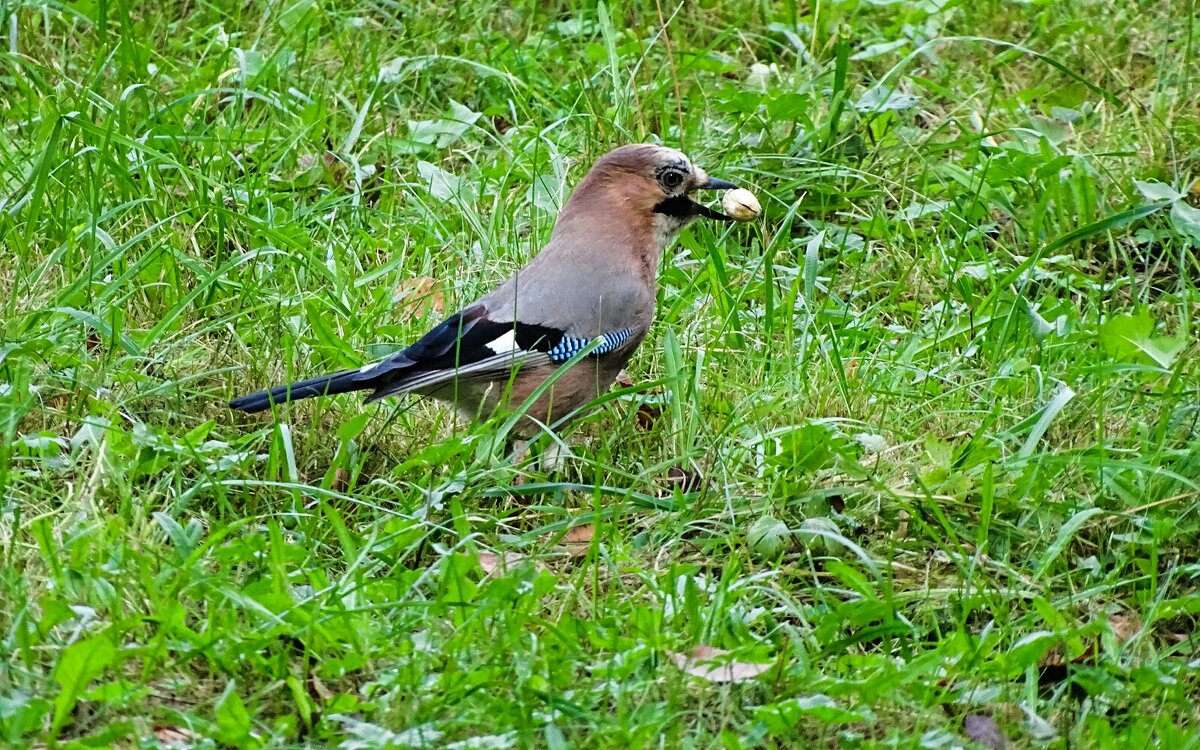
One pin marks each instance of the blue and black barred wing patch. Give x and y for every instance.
(470, 346)
(569, 346)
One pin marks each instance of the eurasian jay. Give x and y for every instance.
(594, 282)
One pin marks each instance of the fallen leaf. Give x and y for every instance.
(684, 481)
(647, 415)
(578, 540)
(335, 169)
(418, 296)
(372, 187)
(341, 480)
(555, 458)
(698, 664)
(624, 380)
(318, 690)
(1125, 626)
(499, 564)
(58, 400)
(501, 124)
(1054, 666)
(170, 736)
(985, 731)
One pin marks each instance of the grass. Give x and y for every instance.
(919, 449)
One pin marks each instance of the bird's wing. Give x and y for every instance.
(471, 346)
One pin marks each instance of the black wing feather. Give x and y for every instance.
(458, 347)
(459, 342)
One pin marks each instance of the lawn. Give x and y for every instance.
(912, 461)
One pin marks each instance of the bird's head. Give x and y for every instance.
(646, 184)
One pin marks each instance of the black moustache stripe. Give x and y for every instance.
(683, 208)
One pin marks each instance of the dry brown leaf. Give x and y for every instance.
(341, 480)
(58, 400)
(1125, 625)
(685, 481)
(578, 539)
(501, 124)
(175, 736)
(372, 187)
(334, 168)
(985, 731)
(1054, 665)
(698, 664)
(418, 296)
(647, 415)
(499, 564)
(318, 689)
(624, 380)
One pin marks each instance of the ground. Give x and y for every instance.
(915, 457)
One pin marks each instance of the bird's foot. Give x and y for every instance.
(553, 458)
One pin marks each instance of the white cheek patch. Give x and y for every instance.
(504, 344)
(666, 227)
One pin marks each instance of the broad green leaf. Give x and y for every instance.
(821, 535)
(781, 717)
(1157, 191)
(1125, 337)
(1029, 650)
(768, 537)
(879, 49)
(445, 130)
(294, 12)
(233, 720)
(884, 99)
(79, 664)
(1186, 220)
(443, 185)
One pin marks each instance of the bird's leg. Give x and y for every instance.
(552, 460)
(518, 451)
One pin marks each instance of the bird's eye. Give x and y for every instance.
(671, 180)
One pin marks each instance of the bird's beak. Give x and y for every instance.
(685, 209)
(712, 183)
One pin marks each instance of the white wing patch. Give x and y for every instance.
(368, 368)
(504, 344)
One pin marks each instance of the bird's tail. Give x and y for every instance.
(324, 385)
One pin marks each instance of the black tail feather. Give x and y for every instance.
(324, 385)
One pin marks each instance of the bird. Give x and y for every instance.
(593, 285)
